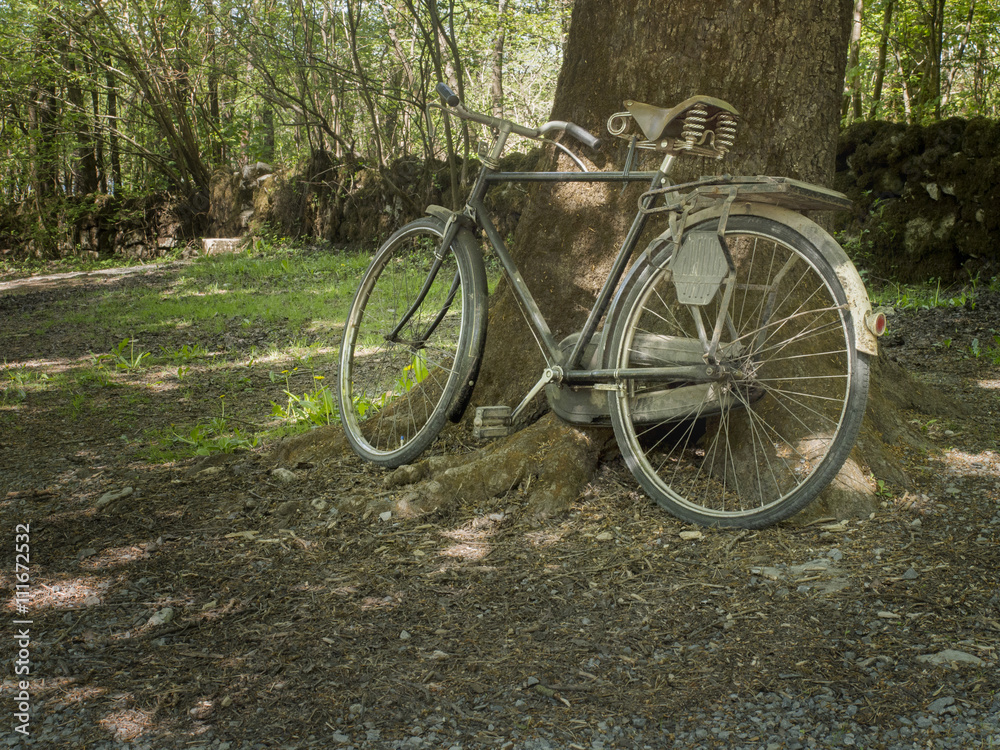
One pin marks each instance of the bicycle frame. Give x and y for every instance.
(570, 371)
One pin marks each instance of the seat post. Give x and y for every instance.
(666, 164)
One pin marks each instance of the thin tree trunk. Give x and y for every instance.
(854, 74)
(956, 62)
(113, 147)
(84, 164)
(883, 47)
(496, 61)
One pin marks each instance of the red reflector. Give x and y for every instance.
(876, 323)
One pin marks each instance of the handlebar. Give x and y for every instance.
(454, 105)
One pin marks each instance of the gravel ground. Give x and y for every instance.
(298, 622)
(772, 721)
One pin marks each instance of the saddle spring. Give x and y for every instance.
(725, 134)
(693, 133)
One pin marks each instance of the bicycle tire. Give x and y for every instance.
(395, 395)
(756, 447)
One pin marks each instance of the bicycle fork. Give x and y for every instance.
(450, 231)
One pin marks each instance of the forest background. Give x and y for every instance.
(110, 110)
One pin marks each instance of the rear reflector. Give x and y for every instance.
(875, 321)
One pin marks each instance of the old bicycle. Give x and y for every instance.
(731, 357)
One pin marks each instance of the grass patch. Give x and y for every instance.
(153, 353)
(928, 296)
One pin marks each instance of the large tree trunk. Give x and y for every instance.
(781, 64)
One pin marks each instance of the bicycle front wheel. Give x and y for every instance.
(412, 342)
(760, 442)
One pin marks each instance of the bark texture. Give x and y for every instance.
(780, 63)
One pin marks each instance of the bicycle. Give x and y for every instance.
(732, 361)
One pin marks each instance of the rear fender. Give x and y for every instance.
(857, 296)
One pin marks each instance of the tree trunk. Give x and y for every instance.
(781, 64)
(496, 61)
(883, 46)
(852, 99)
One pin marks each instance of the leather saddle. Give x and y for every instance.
(702, 124)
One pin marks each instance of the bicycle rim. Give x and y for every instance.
(755, 447)
(401, 367)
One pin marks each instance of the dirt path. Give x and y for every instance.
(223, 604)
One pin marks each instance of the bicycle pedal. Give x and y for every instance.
(491, 422)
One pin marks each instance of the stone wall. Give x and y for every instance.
(927, 199)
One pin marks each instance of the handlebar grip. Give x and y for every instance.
(449, 96)
(583, 136)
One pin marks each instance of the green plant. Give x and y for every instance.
(76, 404)
(18, 381)
(880, 488)
(214, 436)
(14, 389)
(975, 349)
(185, 353)
(923, 296)
(125, 357)
(993, 352)
(315, 407)
(924, 426)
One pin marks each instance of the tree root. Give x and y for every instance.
(550, 461)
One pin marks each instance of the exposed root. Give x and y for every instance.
(550, 461)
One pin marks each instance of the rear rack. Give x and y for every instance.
(777, 191)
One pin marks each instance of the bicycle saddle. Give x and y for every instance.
(702, 124)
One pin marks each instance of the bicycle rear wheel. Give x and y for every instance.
(412, 343)
(757, 445)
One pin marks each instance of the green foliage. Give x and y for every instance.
(124, 356)
(212, 437)
(185, 353)
(941, 59)
(316, 407)
(277, 83)
(927, 296)
(16, 383)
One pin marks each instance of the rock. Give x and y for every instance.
(951, 657)
(933, 191)
(287, 509)
(691, 535)
(284, 476)
(320, 504)
(768, 571)
(162, 617)
(604, 536)
(942, 705)
(109, 497)
(85, 553)
(386, 516)
(92, 601)
(218, 245)
(910, 575)
(819, 565)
